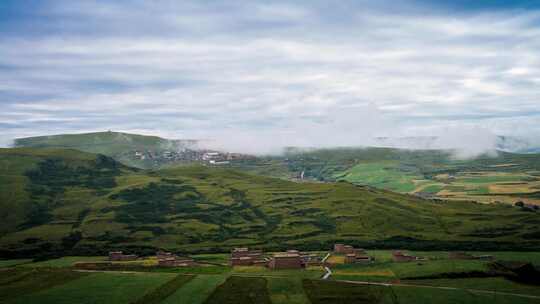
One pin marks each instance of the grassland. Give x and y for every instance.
(164, 291)
(506, 177)
(99, 288)
(18, 282)
(70, 202)
(113, 144)
(197, 290)
(403, 283)
(287, 290)
(65, 261)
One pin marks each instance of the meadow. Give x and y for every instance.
(504, 177)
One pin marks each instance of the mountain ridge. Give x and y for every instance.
(69, 201)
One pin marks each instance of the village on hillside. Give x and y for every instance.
(204, 156)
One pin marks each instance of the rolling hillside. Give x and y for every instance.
(505, 177)
(62, 200)
(117, 145)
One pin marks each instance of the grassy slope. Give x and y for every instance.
(201, 209)
(96, 288)
(506, 177)
(404, 171)
(108, 143)
(113, 144)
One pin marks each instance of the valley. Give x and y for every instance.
(58, 200)
(502, 177)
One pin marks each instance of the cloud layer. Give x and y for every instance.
(263, 75)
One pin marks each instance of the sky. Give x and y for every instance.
(260, 75)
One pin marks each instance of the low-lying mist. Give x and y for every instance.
(353, 127)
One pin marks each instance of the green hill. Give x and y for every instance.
(505, 177)
(114, 144)
(56, 200)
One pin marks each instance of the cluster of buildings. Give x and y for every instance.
(120, 256)
(352, 255)
(168, 259)
(291, 259)
(188, 155)
(246, 257)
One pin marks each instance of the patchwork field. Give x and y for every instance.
(505, 177)
(383, 281)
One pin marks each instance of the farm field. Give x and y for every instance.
(504, 177)
(405, 282)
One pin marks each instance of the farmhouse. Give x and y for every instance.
(286, 260)
(120, 256)
(245, 257)
(353, 258)
(343, 249)
(347, 249)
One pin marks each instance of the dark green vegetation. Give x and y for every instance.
(164, 291)
(340, 293)
(241, 290)
(320, 292)
(57, 202)
(18, 281)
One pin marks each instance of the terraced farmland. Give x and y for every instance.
(382, 281)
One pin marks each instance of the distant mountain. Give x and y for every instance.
(120, 146)
(71, 202)
(502, 143)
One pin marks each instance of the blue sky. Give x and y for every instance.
(263, 74)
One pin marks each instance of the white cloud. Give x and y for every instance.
(247, 71)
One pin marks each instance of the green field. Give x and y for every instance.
(61, 283)
(287, 290)
(99, 288)
(241, 290)
(506, 177)
(197, 290)
(384, 175)
(64, 261)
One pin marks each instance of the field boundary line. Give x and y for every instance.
(442, 288)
